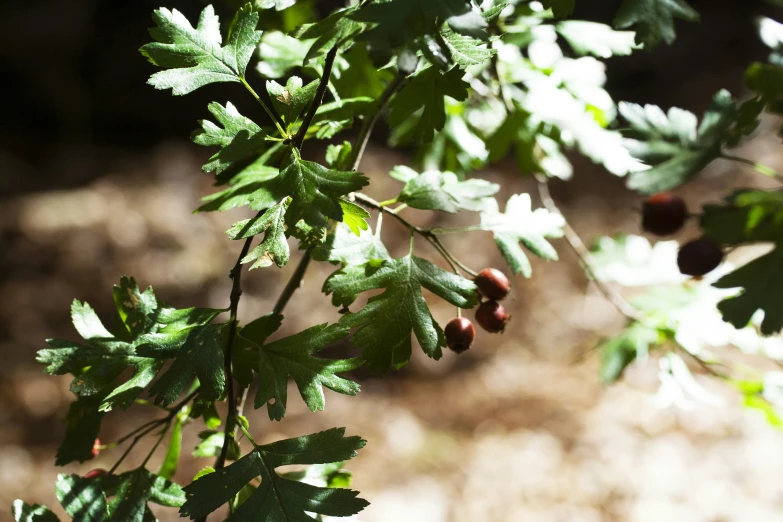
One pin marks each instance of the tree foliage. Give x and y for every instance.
(463, 86)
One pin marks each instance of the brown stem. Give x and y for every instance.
(298, 140)
(423, 232)
(236, 294)
(294, 283)
(583, 253)
(369, 122)
(147, 428)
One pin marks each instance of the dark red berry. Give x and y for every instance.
(699, 257)
(94, 473)
(96, 448)
(493, 284)
(664, 214)
(492, 317)
(459, 334)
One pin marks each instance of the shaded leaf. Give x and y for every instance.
(389, 319)
(278, 499)
(294, 357)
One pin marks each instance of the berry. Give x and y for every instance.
(699, 257)
(96, 448)
(493, 284)
(492, 317)
(94, 473)
(664, 214)
(460, 334)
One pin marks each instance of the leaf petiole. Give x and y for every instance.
(266, 108)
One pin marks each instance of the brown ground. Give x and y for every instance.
(514, 430)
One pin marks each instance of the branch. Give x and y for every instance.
(236, 294)
(271, 113)
(294, 283)
(148, 427)
(423, 232)
(298, 140)
(758, 167)
(369, 122)
(584, 255)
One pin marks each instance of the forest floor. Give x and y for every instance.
(517, 429)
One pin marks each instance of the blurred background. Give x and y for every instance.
(98, 179)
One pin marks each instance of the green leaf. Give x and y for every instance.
(560, 8)
(23, 512)
(746, 216)
(345, 247)
(170, 462)
(465, 51)
(242, 190)
(338, 156)
(239, 137)
(761, 281)
(278, 499)
(197, 352)
(337, 116)
(387, 322)
(419, 109)
(355, 217)
(294, 357)
(324, 475)
(81, 498)
(82, 426)
(654, 19)
(135, 489)
(435, 190)
(274, 247)
(355, 75)
(521, 224)
(152, 335)
(400, 22)
(276, 4)
(672, 144)
(767, 81)
(196, 57)
(290, 101)
(211, 445)
(314, 190)
(620, 351)
(245, 353)
(279, 53)
(337, 27)
(597, 39)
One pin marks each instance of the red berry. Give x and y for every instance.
(492, 317)
(94, 473)
(96, 448)
(493, 284)
(664, 214)
(699, 257)
(459, 334)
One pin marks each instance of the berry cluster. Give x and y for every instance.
(492, 316)
(664, 214)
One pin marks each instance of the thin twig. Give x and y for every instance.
(298, 140)
(149, 427)
(294, 283)
(758, 167)
(369, 122)
(271, 113)
(423, 232)
(704, 365)
(236, 294)
(585, 258)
